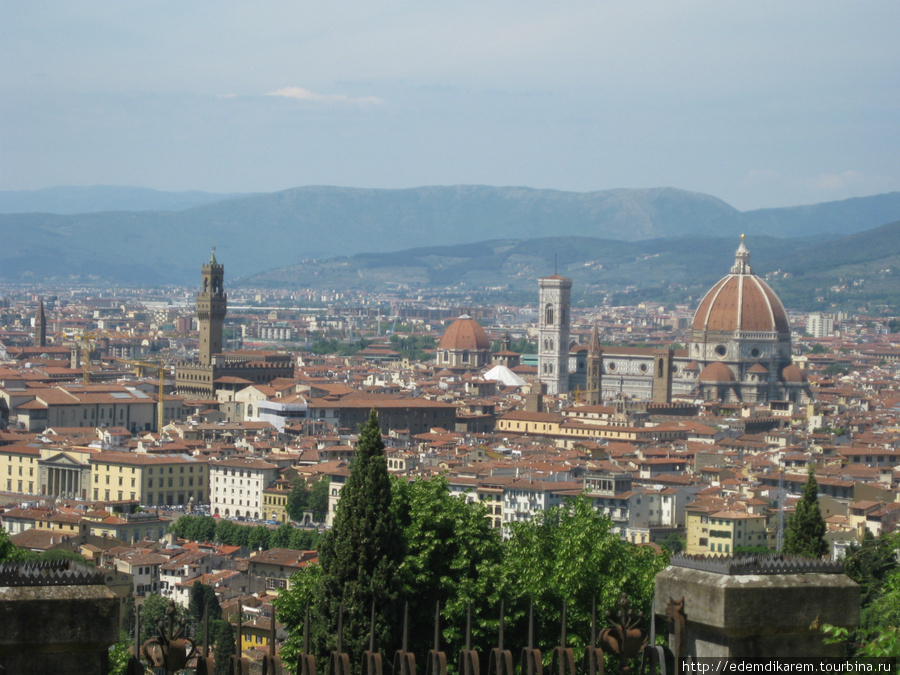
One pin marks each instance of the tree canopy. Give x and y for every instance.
(361, 554)
(452, 555)
(805, 533)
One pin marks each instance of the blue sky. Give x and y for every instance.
(758, 103)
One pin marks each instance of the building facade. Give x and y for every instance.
(553, 333)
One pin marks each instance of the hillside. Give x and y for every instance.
(259, 232)
(851, 271)
(71, 199)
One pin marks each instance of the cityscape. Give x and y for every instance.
(472, 337)
(129, 418)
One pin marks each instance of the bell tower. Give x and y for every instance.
(40, 328)
(212, 303)
(553, 333)
(594, 384)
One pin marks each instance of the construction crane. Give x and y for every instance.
(160, 367)
(87, 339)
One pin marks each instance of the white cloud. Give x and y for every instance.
(835, 181)
(300, 94)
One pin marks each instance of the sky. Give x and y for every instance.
(761, 104)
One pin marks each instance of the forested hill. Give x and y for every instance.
(808, 273)
(260, 232)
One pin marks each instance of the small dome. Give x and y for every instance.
(716, 372)
(758, 368)
(793, 375)
(693, 367)
(465, 333)
(741, 302)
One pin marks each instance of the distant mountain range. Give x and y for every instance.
(861, 269)
(164, 237)
(71, 199)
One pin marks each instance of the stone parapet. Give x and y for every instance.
(59, 619)
(756, 610)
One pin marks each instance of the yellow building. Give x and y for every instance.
(152, 480)
(19, 468)
(713, 530)
(275, 500)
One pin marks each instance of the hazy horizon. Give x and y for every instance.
(761, 105)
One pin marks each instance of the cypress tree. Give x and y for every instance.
(225, 647)
(361, 554)
(805, 534)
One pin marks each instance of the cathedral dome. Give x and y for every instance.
(793, 375)
(716, 372)
(741, 302)
(465, 333)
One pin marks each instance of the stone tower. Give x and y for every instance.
(662, 375)
(212, 303)
(40, 327)
(594, 383)
(553, 333)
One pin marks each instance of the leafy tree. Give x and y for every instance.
(805, 533)
(869, 564)
(225, 648)
(258, 538)
(453, 557)
(305, 540)
(571, 553)
(674, 543)
(119, 654)
(318, 498)
(203, 599)
(153, 611)
(127, 621)
(360, 556)
(9, 552)
(298, 499)
(878, 634)
(281, 537)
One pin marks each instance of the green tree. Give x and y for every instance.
(318, 498)
(869, 563)
(203, 599)
(674, 543)
(281, 537)
(304, 540)
(9, 552)
(361, 554)
(153, 610)
(119, 654)
(571, 553)
(258, 538)
(805, 532)
(453, 557)
(298, 499)
(225, 648)
(225, 531)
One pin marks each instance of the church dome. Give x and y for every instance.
(741, 302)
(716, 372)
(793, 375)
(465, 333)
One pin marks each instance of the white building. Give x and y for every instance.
(820, 325)
(236, 486)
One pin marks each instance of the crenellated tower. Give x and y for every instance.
(212, 304)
